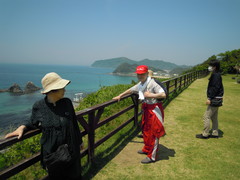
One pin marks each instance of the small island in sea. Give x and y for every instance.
(16, 89)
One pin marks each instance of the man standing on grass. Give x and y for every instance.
(153, 116)
(215, 93)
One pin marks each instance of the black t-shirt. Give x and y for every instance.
(59, 126)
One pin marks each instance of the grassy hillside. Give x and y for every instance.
(181, 155)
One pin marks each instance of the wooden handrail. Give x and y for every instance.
(10, 141)
(11, 171)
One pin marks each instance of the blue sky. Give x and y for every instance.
(78, 32)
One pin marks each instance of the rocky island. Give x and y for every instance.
(16, 89)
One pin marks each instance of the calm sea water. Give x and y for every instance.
(15, 109)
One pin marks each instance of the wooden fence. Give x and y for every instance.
(93, 114)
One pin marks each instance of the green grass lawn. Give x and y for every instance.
(181, 155)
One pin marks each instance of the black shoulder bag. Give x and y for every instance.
(216, 102)
(163, 87)
(59, 159)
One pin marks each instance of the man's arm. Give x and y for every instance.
(160, 95)
(127, 92)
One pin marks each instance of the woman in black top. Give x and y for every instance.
(55, 116)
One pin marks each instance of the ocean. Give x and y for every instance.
(15, 109)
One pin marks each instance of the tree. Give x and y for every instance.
(228, 61)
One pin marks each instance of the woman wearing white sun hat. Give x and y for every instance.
(55, 116)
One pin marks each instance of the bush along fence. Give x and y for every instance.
(90, 120)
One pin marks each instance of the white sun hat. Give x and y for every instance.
(52, 81)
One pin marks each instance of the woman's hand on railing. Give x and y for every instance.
(18, 132)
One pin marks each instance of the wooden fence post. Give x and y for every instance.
(176, 82)
(91, 136)
(136, 104)
(184, 81)
(180, 85)
(167, 86)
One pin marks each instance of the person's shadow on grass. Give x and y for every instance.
(164, 153)
(220, 133)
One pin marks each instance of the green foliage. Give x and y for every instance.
(228, 61)
(103, 95)
(20, 151)
(106, 93)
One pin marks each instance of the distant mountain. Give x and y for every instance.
(126, 68)
(179, 70)
(112, 63)
(115, 62)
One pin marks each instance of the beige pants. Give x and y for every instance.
(211, 114)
